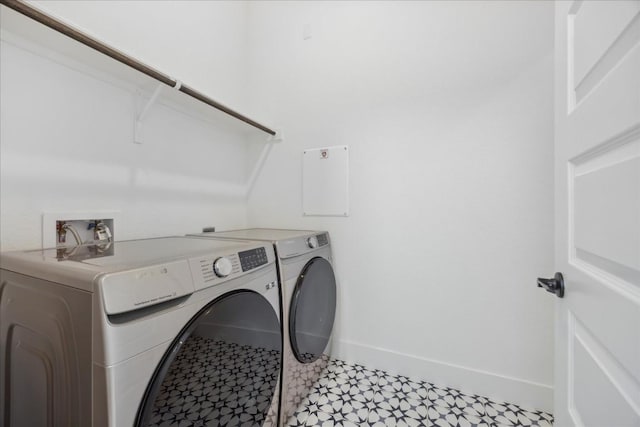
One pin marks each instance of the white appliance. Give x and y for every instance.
(167, 331)
(308, 292)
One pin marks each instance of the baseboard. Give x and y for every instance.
(521, 392)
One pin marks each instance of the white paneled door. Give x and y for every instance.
(597, 366)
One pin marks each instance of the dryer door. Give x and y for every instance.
(223, 368)
(312, 311)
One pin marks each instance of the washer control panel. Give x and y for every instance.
(312, 242)
(207, 271)
(222, 267)
(253, 258)
(212, 270)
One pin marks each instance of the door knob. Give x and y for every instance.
(555, 285)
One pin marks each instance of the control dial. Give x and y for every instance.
(312, 242)
(222, 267)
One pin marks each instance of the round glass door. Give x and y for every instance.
(313, 308)
(222, 369)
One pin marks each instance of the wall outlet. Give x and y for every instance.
(66, 229)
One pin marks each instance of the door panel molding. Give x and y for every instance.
(610, 270)
(600, 35)
(586, 351)
(612, 95)
(604, 211)
(613, 150)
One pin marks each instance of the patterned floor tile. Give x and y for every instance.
(350, 378)
(397, 408)
(400, 384)
(457, 401)
(451, 417)
(325, 419)
(354, 395)
(508, 414)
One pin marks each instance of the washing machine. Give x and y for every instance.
(168, 331)
(308, 292)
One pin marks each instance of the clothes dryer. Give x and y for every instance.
(167, 331)
(308, 292)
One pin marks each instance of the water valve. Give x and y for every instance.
(102, 233)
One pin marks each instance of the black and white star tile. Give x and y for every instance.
(353, 395)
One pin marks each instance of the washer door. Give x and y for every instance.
(312, 311)
(222, 369)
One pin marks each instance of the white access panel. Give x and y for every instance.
(325, 181)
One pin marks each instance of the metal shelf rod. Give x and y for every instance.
(44, 19)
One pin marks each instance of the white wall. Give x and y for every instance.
(201, 43)
(447, 109)
(66, 145)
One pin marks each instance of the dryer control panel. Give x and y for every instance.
(301, 245)
(323, 239)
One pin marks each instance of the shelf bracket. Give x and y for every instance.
(138, 134)
(278, 137)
